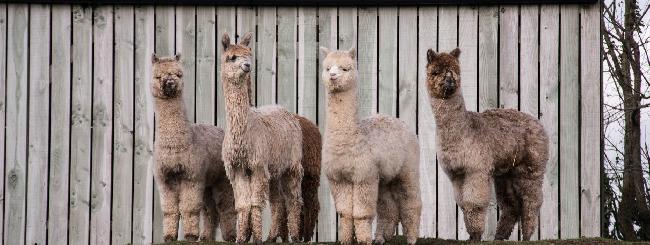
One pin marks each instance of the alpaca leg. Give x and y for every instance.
(169, 200)
(342, 193)
(225, 200)
(278, 215)
(531, 197)
(476, 197)
(509, 205)
(211, 218)
(243, 225)
(407, 194)
(387, 215)
(364, 209)
(293, 201)
(310, 206)
(191, 203)
(259, 196)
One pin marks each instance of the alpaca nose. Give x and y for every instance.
(450, 81)
(333, 75)
(246, 67)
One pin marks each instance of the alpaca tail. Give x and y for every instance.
(311, 158)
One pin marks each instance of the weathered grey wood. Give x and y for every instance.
(308, 69)
(408, 68)
(3, 102)
(467, 42)
(327, 34)
(123, 126)
(387, 95)
(143, 186)
(569, 115)
(488, 86)
(39, 98)
(509, 65)
(266, 57)
(165, 46)
(447, 33)
(246, 22)
(428, 32)
(226, 17)
(590, 134)
(205, 65)
(186, 45)
(286, 55)
(347, 32)
(549, 114)
(80, 129)
(528, 65)
(367, 61)
(57, 225)
(102, 126)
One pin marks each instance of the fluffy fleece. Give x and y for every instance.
(371, 165)
(501, 145)
(188, 167)
(263, 153)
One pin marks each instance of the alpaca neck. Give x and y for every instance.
(237, 106)
(342, 116)
(450, 111)
(172, 127)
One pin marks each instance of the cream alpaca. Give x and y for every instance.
(263, 149)
(504, 145)
(372, 165)
(188, 167)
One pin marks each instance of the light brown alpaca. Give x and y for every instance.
(504, 145)
(263, 153)
(188, 167)
(372, 165)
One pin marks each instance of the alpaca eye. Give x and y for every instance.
(328, 68)
(346, 69)
(233, 58)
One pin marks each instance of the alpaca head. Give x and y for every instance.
(339, 70)
(236, 58)
(167, 80)
(443, 73)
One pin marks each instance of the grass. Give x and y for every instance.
(434, 241)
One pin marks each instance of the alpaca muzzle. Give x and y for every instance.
(246, 67)
(169, 88)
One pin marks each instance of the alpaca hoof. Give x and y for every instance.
(191, 237)
(258, 242)
(379, 241)
(271, 240)
(170, 238)
(295, 239)
(205, 238)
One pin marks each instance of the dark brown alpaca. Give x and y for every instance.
(501, 145)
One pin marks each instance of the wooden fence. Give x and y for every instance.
(78, 116)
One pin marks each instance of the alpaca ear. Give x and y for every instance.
(352, 52)
(246, 39)
(324, 51)
(154, 58)
(431, 55)
(225, 40)
(178, 57)
(455, 52)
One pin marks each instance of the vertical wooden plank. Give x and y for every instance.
(266, 64)
(488, 86)
(186, 42)
(467, 41)
(308, 70)
(407, 68)
(165, 46)
(247, 22)
(80, 129)
(205, 65)
(143, 185)
(286, 79)
(102, 126)
(549, 114)
(387, 95)
(327, 36)
(569, 115)
(428, 33)
(447, 40)
(3, 90)
(226, 17)
(509, 65)
(367, 61)
(39, 99)
(57, 224)
(590, 150)
(528, 60)
(123, 126)
(347, 24)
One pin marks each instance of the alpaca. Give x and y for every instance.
(372, 165)
(188, 167)
(501, 145)
(265, 156)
